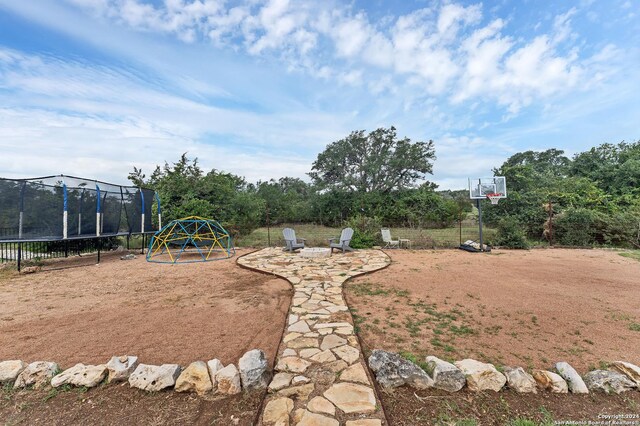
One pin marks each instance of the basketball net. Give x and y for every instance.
(494, 198)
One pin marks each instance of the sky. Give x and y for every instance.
(92, 88)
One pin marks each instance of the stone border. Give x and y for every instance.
(252, 373)
(392, 370)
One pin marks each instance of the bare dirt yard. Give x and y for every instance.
(525, 308)
(162, 313)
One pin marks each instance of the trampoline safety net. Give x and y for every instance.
(65, 207)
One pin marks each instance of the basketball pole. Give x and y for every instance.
(479, 205)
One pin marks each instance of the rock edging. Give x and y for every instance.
(392, 370)
(199, 377)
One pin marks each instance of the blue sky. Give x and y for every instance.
(95, 87)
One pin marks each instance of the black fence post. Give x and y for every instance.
(19, 255)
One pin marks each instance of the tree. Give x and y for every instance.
(377, 162)
(185, 191)
(550, 162)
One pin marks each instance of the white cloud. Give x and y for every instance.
(440, 49)
(109, 116)
(213, 82)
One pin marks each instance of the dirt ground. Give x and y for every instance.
(525, 308)
(410, 407)
(121, 405)
(529, 308)
(161, 313)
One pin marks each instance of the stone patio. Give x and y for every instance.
(321, 376)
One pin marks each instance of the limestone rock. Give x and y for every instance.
(9, 370)
(551, 381)
(519, 380)
(351, 398)
(291, 336)
(289, 352)
(392, 371)
(276, 412)
(364, 422)
(313, 419)
(335, 366)
(481, 376)
(154, 377)
(121, 367)
(608, 381)
(228, 380)
(355, 373)
(300, 393)
(299, 327)
(322, 406)
(303, 342)
(332, 341)
(292, 364)
(195, 378)
(300, 380)
(347, 353)
(630, 370)
(323, 357)
(37, 373)
(81, 375)
(254, 370)
(297, 415)
(308, 353)
(571, 376)
(280, 381)
(214, 365)
(445, 375)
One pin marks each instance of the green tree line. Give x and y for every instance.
(592, 198)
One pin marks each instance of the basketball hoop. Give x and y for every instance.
(494, 198)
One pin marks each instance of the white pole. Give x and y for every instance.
(65, 231)
(98, 224)
(142, 224)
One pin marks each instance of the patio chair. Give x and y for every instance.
(386, 237)
(342, 243)
(291, 241)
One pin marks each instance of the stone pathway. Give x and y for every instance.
(320, 375)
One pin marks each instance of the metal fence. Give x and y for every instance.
(37, 252)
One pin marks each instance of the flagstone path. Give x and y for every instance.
(320, 376)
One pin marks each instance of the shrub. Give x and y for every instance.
(511, 234)
(366, 231)
(579, 227)
(622, 230)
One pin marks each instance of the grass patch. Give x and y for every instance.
(462, 330)
(369, 289)
(414, 359)
(522, 422)
(317, 235)
(635, 254)
(53, 392)
(634, 326)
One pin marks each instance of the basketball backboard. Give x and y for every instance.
(495, 186)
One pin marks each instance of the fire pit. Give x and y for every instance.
(315, 252)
